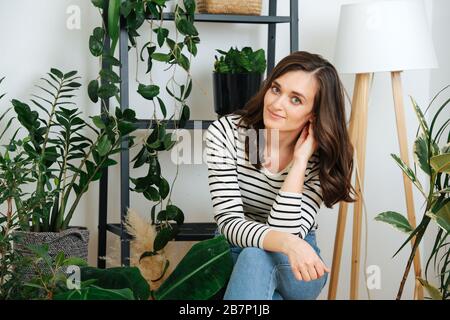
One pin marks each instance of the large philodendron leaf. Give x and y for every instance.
(421, 118)
(441, 163)
(204, 270)
(395, 219)
(96, 293)
(118, 278)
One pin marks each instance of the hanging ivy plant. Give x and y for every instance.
(176, 52)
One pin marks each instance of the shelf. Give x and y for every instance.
(203, 124)
(225, 18)
(188, 231)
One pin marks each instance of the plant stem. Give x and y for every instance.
(417, 240)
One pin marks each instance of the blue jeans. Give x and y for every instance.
(263, 275)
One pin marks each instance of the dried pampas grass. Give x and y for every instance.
(144, 234)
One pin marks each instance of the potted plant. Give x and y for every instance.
(434, 160)
(63, 162)
(237, 77)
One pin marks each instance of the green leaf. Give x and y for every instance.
(161, 57)
(148, 92)
(113, 22)
(98, 3)
(184, 62)
(99, 33)
(119, 278)
(104, 146)
(162, 238)
(421, 118)
(107, 91)
(93, 91)
(434, 293)
(152, 194)
(98, 122)
(396, 220)
(406, 170)
(175, 213)
(441, 163)
(203, 272)
(74, 261)
(442, 216)
(168, 142)
(57, 73)
(95, 46)
(109, 59)
(186, 27)
(109, 76)
(163, 107)
(189, 5)
(185, 114)
(164, 188)
(162, 34)
(59, 259)
(70, 74)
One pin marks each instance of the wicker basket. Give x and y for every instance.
(73, 242)
(248, 7)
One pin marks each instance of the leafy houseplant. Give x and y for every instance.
(237, 77)
(434, 160)
(63, 162)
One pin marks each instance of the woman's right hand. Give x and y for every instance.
(305, 263)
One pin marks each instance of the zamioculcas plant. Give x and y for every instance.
(64, 159)
(433, 157)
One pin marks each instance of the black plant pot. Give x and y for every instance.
(233, 91)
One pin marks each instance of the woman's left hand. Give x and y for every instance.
(306, 144)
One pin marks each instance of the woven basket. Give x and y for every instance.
(248, 7)
(73, 242)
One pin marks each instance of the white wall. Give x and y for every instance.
(34, 37)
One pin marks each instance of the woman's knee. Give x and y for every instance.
(252, 255)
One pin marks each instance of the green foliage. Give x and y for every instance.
(118, 278)
(435, 163)
(162, 48)
(240, 61)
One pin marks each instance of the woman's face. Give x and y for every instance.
(288, 103)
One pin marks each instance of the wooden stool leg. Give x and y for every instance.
(343, 206)
(362, 101)
(403, 142)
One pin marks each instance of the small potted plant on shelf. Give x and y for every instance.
(237, 77)
(62, 160)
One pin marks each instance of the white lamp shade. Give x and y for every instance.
(384, 36)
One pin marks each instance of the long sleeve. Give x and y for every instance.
(224, 188)
(296, 212)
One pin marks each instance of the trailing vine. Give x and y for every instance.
(176, 53)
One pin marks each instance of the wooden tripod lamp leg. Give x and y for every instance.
(362, 103)
(403, 142)
(343, 206)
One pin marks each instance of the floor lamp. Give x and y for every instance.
(381, 36)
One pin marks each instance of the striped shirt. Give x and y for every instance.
(248, 202)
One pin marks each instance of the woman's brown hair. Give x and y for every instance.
(334, 147)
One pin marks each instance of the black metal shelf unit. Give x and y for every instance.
(188, 231)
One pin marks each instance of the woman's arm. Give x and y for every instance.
(305, 263)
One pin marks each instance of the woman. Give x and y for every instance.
(270, 167)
